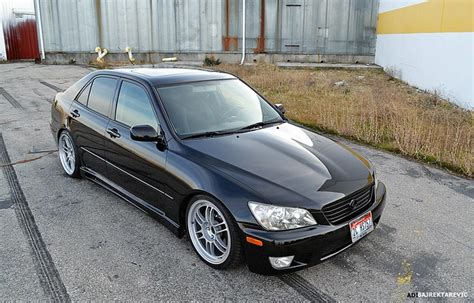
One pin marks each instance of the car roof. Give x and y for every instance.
(170, 76)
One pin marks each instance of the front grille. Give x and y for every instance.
(342, 211)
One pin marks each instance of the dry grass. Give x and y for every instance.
(373, 108)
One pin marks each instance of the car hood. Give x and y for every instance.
(286, 164)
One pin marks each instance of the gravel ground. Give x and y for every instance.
(66, 239)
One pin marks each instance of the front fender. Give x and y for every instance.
(189, 178)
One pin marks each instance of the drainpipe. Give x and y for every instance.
(39, 25)
(243, 34)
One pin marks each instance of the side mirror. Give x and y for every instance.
(146, 133)
(281, 108)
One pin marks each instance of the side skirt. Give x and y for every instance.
(132, 199)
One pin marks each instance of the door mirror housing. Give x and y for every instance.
(146, 133)
(281, 108)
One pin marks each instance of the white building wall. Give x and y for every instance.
(429, 44)
(438, 62)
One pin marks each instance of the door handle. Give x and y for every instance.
(75, 113)
(113, 132)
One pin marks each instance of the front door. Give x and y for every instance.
(138, 167)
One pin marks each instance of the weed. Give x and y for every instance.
(211, 61)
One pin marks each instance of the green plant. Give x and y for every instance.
(211, 61)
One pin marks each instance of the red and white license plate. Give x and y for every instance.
(361, 226)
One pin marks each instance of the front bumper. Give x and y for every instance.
(310, 246)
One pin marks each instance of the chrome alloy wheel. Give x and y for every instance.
(209, 232)
(66, 153)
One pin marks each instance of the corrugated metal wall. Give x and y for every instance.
(273, 26)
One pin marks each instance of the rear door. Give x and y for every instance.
(138, 167)
(89, 118)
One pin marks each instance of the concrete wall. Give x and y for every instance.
(429, 44)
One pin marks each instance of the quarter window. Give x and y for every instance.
(134, 106)
(84, 95)
(102, 95)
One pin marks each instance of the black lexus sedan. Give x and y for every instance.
(209, 157)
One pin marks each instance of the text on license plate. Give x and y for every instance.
(361, 226)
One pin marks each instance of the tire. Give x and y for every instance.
(213, 233)
(68, 155)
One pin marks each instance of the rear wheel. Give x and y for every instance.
(68, 155)
(213, 232)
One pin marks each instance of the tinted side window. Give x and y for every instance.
(102, 94)
(134, 106)
(84, 95)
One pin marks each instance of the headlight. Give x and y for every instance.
(273, 217)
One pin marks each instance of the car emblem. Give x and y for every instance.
(353, 203)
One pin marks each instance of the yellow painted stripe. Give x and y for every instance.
(433, 16)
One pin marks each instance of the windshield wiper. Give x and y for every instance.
(205, 134)
(260, 124)
(220, 133)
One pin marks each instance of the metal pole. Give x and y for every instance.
(39, 27)
(243, 34)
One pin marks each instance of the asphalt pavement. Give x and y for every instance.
(65, 239)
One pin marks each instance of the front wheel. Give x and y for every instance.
(68, 155)
(213, 232)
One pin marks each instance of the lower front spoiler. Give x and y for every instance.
(309, 246)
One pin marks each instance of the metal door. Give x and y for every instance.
(20, 36)
(292, 20)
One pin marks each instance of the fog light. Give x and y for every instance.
(281, 262)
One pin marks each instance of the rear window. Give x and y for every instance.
(102, 94)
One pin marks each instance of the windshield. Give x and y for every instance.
(217, 106)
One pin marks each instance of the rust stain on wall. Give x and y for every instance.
(261, 38)
(231, 43)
